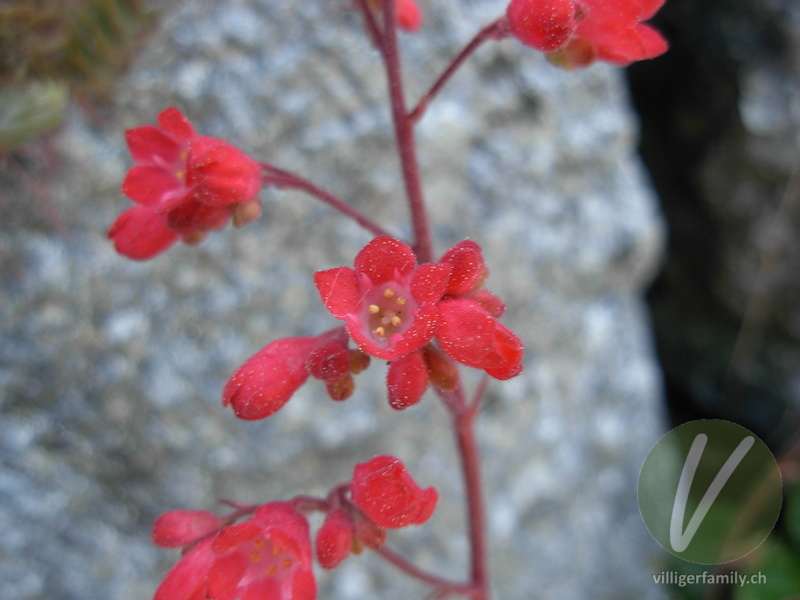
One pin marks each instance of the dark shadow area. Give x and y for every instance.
(720, 142)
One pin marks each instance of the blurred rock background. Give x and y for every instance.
(111, 371)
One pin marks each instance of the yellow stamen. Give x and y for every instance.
(255, 556)
(380, 332)
(401, 301)
(374, 309)
(396, 320)
(259, 543)
(276, 550)
(388, 293)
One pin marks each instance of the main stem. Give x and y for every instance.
(404, 134)
(463, 414)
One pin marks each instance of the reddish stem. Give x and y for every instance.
(464, 424)
(496, 30)
(404, 134)
(370, 23)
(414, 571)
(287, 180)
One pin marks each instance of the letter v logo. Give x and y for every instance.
(680, 540)
(710, 491)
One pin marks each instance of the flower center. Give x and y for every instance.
(389, 311)
(265, 559)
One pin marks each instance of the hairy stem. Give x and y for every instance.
(404, 135)
(496, 30)
(286, 180)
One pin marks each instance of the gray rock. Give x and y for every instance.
(112, 370)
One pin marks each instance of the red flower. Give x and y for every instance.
(335, 538)
(268, 556)
(386, 300)
(383, 489)
(188, 579)
(576, 33)
(268, 379)
(178, 528)
(185, 185)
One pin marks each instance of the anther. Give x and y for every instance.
(255, 556)
(374, 309)
(396, 320)
(388, 293)
(401, 301)
(380, 332)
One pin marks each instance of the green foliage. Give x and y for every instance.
(50, 49)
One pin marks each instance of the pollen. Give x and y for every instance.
(287, 562)
(180, 174)
(388, 293)
(401, 301)
(259, 543)
(255, 556)
(395, 320)
(380, 332)
(272, 571)
(374, 309)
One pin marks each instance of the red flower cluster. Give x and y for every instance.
(184, 185)
(268, 556)
(392, 309)
(576, 33)
(384, 496)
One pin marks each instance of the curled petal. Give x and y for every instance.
(469, 268)
(178, 528)
(267, 380)
(223, 174)
(384, 490)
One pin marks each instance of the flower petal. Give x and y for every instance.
(178, 528)
(223, 174)
(465, 331)
(340, 291)
(428, 282)
(141, 233)
(268, 379)
(469, 268)
(407, 380)
(187, 579)
(175, 122)
(150, 145)
(382, 257)
(154, 187)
